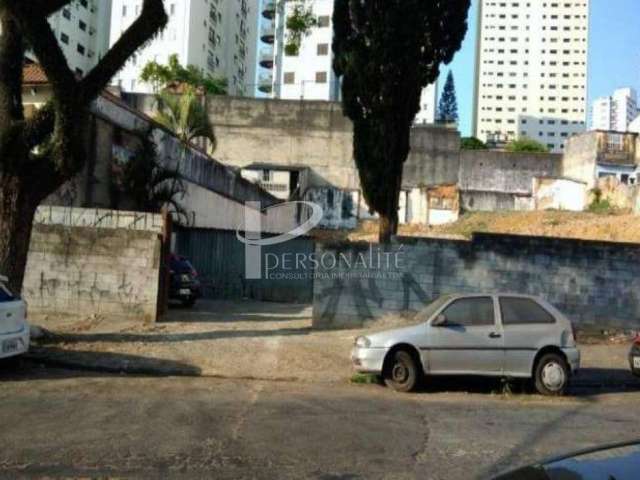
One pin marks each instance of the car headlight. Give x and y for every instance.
(362, 342)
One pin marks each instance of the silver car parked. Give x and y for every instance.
(503, 335)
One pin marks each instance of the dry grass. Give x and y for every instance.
(621, 227)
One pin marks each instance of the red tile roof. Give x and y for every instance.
(33, 74)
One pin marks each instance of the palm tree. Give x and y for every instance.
(186, 116)
(146, 183)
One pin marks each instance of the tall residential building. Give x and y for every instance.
(217, 36)
(82, 30)
(428, 105)
(531, 72)
(308, 73)
(615, 112)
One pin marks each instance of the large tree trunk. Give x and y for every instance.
(388, 227)
(17, 209)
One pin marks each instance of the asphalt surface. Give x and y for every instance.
(60, 423)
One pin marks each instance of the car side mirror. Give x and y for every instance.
(439, 321)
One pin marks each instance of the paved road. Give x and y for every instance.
(62, 423)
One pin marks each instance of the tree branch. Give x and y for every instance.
(11, 54)
(45, 7)
(38, 33)
(151, 21)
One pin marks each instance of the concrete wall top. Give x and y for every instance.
(497, 171)
(196, 166)
(98, 218)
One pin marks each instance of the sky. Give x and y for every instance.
(614, 54)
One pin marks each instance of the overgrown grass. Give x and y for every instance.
(365, 379)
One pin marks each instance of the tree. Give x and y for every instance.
(448, 106)
(41, 153)
(185, 115)
(472, 143)
(300, 21)
(526, 145)
(175, 75)
(386, 52)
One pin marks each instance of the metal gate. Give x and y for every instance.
(219, 258)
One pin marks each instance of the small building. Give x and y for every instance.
(599, 154)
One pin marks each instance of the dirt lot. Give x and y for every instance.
(587, 226)
(253, 341)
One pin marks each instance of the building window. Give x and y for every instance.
(321, 77)
(323, 49)
(64, 38)
(324, 21)
(289, 78)
(80, 49)
(66, 13)
(82, 25)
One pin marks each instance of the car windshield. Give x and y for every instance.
(427, 312)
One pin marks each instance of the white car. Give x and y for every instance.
(14, 329)
(500, 335)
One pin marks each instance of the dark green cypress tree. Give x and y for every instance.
(386, 52)
(448, 106)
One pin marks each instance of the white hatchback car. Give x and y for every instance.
(14, 329)
(501, 335)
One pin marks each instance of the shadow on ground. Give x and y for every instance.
(225, 311)
(171, 337)
(591, 382)
(40, 360)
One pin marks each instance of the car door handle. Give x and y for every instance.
(495, 335)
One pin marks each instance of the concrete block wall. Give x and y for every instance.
(596, 284)
(86, 263)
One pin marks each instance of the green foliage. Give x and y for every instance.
(526, 145)
(448, 106)
(386, 52)
(186, 116)
(472, 143)
(600, 205)
(299, 24)
(364, 379)
(145, 182)
(163, 76)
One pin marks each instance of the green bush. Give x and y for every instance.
(526, 145)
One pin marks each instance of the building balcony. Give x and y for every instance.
(269, 9)
(267, 33)
(266, 57)
(265, 83)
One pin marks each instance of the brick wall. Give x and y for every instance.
(596, 284)
(93, 262)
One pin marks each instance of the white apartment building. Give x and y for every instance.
(428, 105)
(309, 74)
(217, 36)
(615, 113)
(82, 30)
(531, 72)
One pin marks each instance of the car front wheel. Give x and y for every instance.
(402, 372)
(551, 376)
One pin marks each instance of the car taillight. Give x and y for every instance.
(637, 340)
(194, 273)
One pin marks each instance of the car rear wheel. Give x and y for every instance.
(402, 372)
(551, 375)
